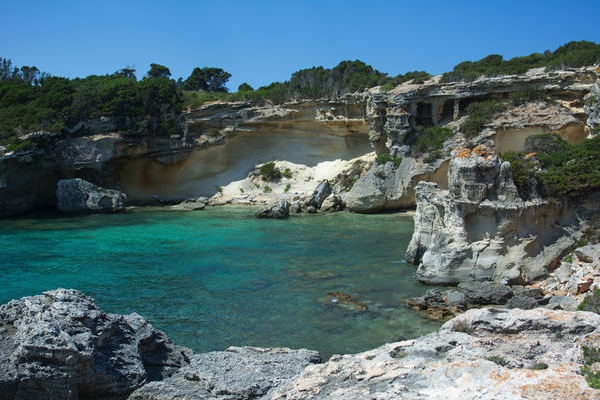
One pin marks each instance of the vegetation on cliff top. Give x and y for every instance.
(572, 54)
(31, 100)
(562, 169)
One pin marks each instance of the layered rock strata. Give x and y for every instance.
(481, 229)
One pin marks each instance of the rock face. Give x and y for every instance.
(322, 191)
(277, 209)
(482, 354)
(480, 229)
(393, 187)
(79, 196)
(61, 346)
(237, 373)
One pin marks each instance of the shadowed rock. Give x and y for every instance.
(60, 345)
(79, 196)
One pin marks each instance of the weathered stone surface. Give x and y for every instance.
(563, 303)
(484, 293)
(61, 346)
(522, 302)
(480, 229)
(439, 305)
(393, 187)
(332, 203)
(192, 204)
(237, 373)
(77, 196)
(454, 363)
(277, 209)
(321, 192)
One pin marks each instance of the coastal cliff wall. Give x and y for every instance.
(221, 142)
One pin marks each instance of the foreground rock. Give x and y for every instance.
(237, 373)
(79, 196)
(481, 229)
(277, 209)
(194, 204)
(482, 354)
(61, 346)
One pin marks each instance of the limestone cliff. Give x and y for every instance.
(481, 229)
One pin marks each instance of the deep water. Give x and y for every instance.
(219, 277)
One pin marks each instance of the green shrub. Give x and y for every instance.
(21, 145)
(480, 114)
(387, 157)
(431, 138)
(591, 356)
(220, 189)
(591, 302)
(572, 54)
(540, 366)
(433, 156)
(380, 174)
(287, 188)
(523, 169)
(498, 360)
(270, 172)
(568, 258)
(267, 189)
(287, 173)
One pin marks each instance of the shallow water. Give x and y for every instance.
(219, 277)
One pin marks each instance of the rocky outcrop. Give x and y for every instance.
(389, 186)
(592, 106)
(482, 354)
(79, 196)
(480, 229)
(237, 373)
(61, 346)
(277, 209)
(321, 192)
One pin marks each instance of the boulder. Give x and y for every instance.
(79, 196)
(60, 345)
(321, 192)
(277, 209)
(589, 253)
(332, 203)
(563, 303)
(237, 373)
(522, 302)
(484, 293)
(192, 204)
(439, 305)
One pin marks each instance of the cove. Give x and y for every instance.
(220, 277)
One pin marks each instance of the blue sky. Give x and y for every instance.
(264, 41)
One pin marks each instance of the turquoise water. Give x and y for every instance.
(220, 277)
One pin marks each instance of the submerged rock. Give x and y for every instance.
(237, 373)
(79, 196)
(60, 345)
(344, 299)
(277, 209)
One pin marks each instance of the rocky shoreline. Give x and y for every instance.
(60, 345)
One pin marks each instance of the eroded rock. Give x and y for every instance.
(60, 345)
(279, 208)
(80, 196)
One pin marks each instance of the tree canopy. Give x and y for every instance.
(208, 79)
(158, 71)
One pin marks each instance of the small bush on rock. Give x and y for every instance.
(480, 114)
(270, 172)
(591, 356)
(431, 138)
(540, 366)
(498, 360)
(591, 302)
(287, 173)
(387, 157)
